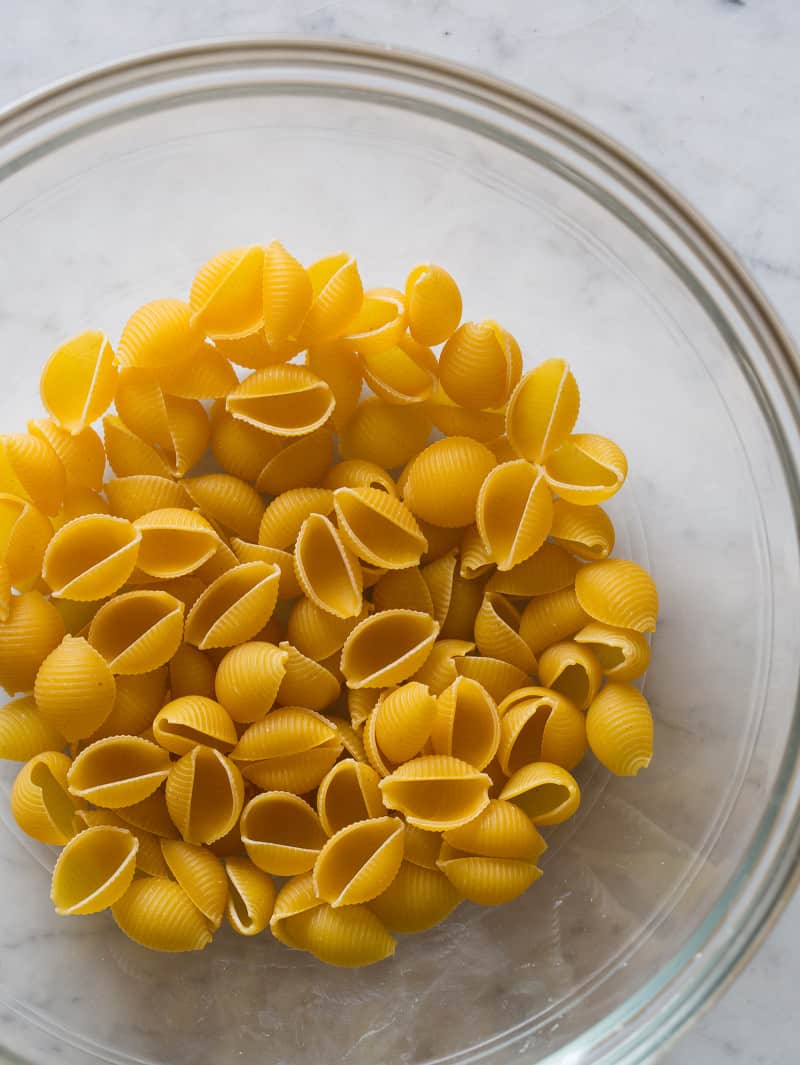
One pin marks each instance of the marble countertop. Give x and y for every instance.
(706, 91)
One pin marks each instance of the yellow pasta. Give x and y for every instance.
(360, 704)
(128, 455)
(291, 749)
(404, 719)
(358, 473)
(550, 569)
(422, 847)
(286, 293)
(159, 334)
(300, 462)
(379, 323)
(348, 793)
(118, 771)
(149, 858)
(91, 557)
(25, 533)
(81, 453)
(514, 512)
(402, 590)
(337, 293)
(174, 542)
(539, 725)
(150, 815)
(131, 497)
(191, 672)
(226, 297)
(387, 648)
(572, 670)
(441, 541)
(498, 633)
(229, 501)
(222, 561)
(439, 671)
(157, 913)
(206, 374)
(315, 632)
(30, 469)
(32, 629)
(416, 900)
(285, 515)
(452, 420)
(499, 678)
(137, 701)
(444, 481)
(475, 559)
(5, 592)
(285, 400)
(546, 792)
(254, 350)
(351, 739)
(205, 794)
(251, 897)
(359, 862)
(501, 830)
(466, 597)
(78, 381)
(139, 631)
(337, 364)
(201, 875)
(327, 569)
(402, 372)
(248, 679)
(480, 365)
(387, 434)
(94, 870)
(296, 896)
(584, 531)
(234, 607)
(501, 448)
(79, 501)
(547, 619)
(434, 303)
(619, 728)
(467, 725)
(350, 936)
(306, 682)
(288, 585)
(439, 576)
(281, 833)
(74, 688)
(24, 732)
(543, 410)
(378, 528)
(191, 720)
(622, 653)
(436, 792)
(241, 449)
(586, 469)
(40, 802)
(620, 593)
(487, 881)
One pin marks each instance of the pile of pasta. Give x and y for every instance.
(355, 639)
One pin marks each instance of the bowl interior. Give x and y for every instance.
(120, 207)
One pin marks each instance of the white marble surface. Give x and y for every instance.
(706, 91)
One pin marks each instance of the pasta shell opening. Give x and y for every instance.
(118, 771)
(282, 834)
(436, 792)
(498, 633)
(387, 648)
(78, 381)
(285, 400)
(379, 528)
(251, 897)
(205, 795)
(467, 725)
(622, 653)
(139, 631)
(514, 512)
(174, 542)
(547, 793)
(234, 607)
(94, 870)
(540, 725)
(543, 410)
(586, 469)
(349, 793)
(359, 862)
(327, 569)
(191, 720)
(91, 557)
(403, 372)
(40, 802)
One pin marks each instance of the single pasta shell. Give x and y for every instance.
(467, 725)
(281, 833)
(206, 374)
(286, 293)
(586, 469)
(191, 720)
(148, 859)
(348, 793)
(542, 410)
(502, 830)
(32, 629)
(251, 897)
(337, 364)
(547, 793)
(547, 619)
(416, 900)
(387, 434)
(25, 732)
(622, 653)
(444, 481)
(452, 420)
(404, 589)
(201, 875)
(285, 400)
(25, 533)
(298, 773)
(248, 679)
(337, 295)
(379, 323)
(436, 792)
(540, 725)
(439, 671)
(302, 461)
(434, 303)
(288, 586)
(296, 896)
(359, 862)
(190, 433)
(584, 531)
(139, 631)
(158, 914)
(242, 450)
(150, 815)
(573, 670)
(40, 802)
(78, 381)
(619, 727)
(132, 497)
(379, 528)
(403, 721)
(480, 365)
(205, 795)
(422, 848)
(234, 607)
(618, 592)
(94, 870)
(285, 515)
(514, 512)
(254, 350)
(403, 372)
(358, 473)
(499, 678)
(142, 406)
(81, 453)
(306, 682)
(226, 296)
(118, 771)
(191, 672)
(31, 469)
(498, 633)
(316, 633)
(74, 689)
(387, 648)
(174, 542)
(128, 455)
(288, 731)
(475, 559)
(550, 569)
(91, 557)
(229, 501)
(350, 937)
(159, 334)
(487, 881)
(327, 569)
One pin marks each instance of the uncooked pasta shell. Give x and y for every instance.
(128, 455)
(480, 365)
(514, 512)
(585, 531)
(25, 732)
(403, 590)
(78, 502)
(360, 704)
(206, 374)
(487, 881)
(573, 670)
(158, 914)
(439, 671)
(436, 792)
(288, 586)
(498, 634)
(78, 381)
(547, 619)
(359, 862)
(540, 725)
(296, 896)
(619, 727)
(251, 897)
(421, 847)
(25, 533)
(547, 793)
(248, 679)
(379, 324)
(226, 298)
(306, 682)
(91, 557)
(417, 899)
(150, 814)
(285, 400)
(550, 569)
(444, 481)
(94, 870)
(387, 434)
(402, 372)
(159, 334)
(452, 420)
(586, 469)
(499, 678)
(229, 501)
(298, 773)
(131, 497)
(288, 731)
(337, 364)
(317, 633)
(174, 542)
(352, 742)
(285, 515)
(32, 629)
(205, 795)
(81, 453)
(191, 672)
(403, 721)
(618, 592)
(475, 558)
(286, 293)
(348, 793)
(502, 830)
(118, 771)
(191, 720)
(234, 607)
(467, 725)
(327, 569)
(542, 410)
(379, 528)
(74, 689)
(201, 875)
(300, 462)
(149, 859)
(337, 295)
(30, 469)
(139, 631)
(242, 450)
(40, 802)
(137, 701)
(358, 473)
(622, 653)
(439, 576)
(351, 936)
(387, 648)
(281, 833)
(434, 303)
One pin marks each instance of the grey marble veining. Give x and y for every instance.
(706, 91)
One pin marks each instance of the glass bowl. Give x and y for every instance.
(113, 188)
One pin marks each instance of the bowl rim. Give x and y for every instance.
(732, 931)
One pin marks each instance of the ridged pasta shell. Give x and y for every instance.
(498, 634)
(439, 576)
(360, 704)
(619, 727)
(242, 450)
(547, 793)
(222, 561)
(306, 682)
(302, 461)
(25, 533)
(618, 592)
(337, 295)
(24, 732)
(94, 870)
(359, 862)
(285, 400)
(286, 293)
(254, 350)
(382, 765)
(480, 365)
(316, 633)
(351, 739)
(158, 914)
(358, 473)
(285, 515)
(30, 469)
(159, 334)
(514, 512)
(348, 793)
(131, 497)
(337, 364)
(91, 557)
(502, 830)
(622, 653)
(74, 689)
(467, 725)
(118, 771)
(475, 559)
(231, 502)
(539, 725)
(444, 481)
(379, 528)
(251, 897)
(142, 406)
(417, 899)
(78, 381)
(201, 875)
(128, 455)
(226, 297)
(281, 833)
(543, 410)
(436, 792)
(206, 374)
(290, 750)
(434, 303)
(248, 679)
(379, 324)
(40, 802)
(327, 569)
(31, 631)
(174, 542)
(439, 671)
(404, 589)
(402, 372)
(404, 719)
(234, 607)
(137, 701)
(191, 720)
(572, 670)
(550, 569)
(295, 897)
(387, 648)
(499, 678)
(387, 434)
(149, 858)
(150, 815)
(422, 847)
(139, 631)
(205, 795)
(351, 936)
(81, 453)
(191, 672)
(452, 420)
(487, 881)
(584, 531)
(586, 469)
(78, 502)
(548, 619)
(288, 586)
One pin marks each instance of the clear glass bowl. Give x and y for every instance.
(112, 189)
